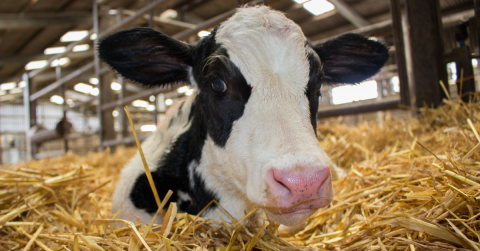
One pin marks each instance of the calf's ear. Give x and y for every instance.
(147, 56)
(351, 58)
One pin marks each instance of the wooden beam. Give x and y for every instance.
(318, 18)
(20, 59)
(400, 60)
(164, 21)
(463, 60)
(386, 26)
(476, 6)
(358, 107)
(424, 46)
(349, 13)
(41, 20)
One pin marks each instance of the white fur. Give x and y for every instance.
(154, 148)
(269, 49)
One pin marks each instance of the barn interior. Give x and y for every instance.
(409, 135)
(47, 53)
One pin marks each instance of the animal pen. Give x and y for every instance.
(412, 184)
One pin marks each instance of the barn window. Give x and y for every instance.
(395, 83)
(350, 93)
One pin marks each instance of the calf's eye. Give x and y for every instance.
(218, 85)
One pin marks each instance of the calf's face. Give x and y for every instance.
(258, 82)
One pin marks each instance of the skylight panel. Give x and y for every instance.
(81, 47)
(73, 36)
(54, 50)
(318, 7)
(35, 65)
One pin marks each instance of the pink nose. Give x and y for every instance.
(293, 188)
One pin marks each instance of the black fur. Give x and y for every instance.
(314, 84)
(172, 173)
(351, 58)
(212, 114)
(147, 56)
(220, 110)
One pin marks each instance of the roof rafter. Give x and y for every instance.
(349, 13)
(42, 20)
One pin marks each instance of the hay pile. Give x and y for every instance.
(413, 185)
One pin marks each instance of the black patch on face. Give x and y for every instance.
(211, 114)
(172, 173)
(221, 110)
(314, 84)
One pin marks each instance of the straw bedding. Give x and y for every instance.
(413, 185)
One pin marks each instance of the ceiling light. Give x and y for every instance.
(16, 90)
(60, 62)
(115, 113)
(56, 99)
(93, 81)
(54, 50)
(81, 47)
(93, 36)
(183, 89)
(72, 36)
(189, 92)
(2, 93)
(317, 7)
(112, 12)
(300, 1)
(7, 86)
(95, 91)
(22, 84)
(168, 101)
(203, 33)
(36, 65)
(81, 87)
(152, 98)
(148, 128)
(150, 108)
(169, 14)
(139, 103)
(116, 86)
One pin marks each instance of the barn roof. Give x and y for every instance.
(28, 27)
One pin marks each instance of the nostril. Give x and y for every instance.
(279, 182)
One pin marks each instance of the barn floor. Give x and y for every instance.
(413, 185)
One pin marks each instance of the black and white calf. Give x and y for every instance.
(247, 138)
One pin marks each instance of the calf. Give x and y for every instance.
(247, 138)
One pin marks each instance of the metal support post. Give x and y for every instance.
(155, 111)
(30, 116)
(123, 116)
(96, 61)
(58, 71)
(150, 16)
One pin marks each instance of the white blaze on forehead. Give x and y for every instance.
(267, 47)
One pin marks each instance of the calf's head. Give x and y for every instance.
(258, 82)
